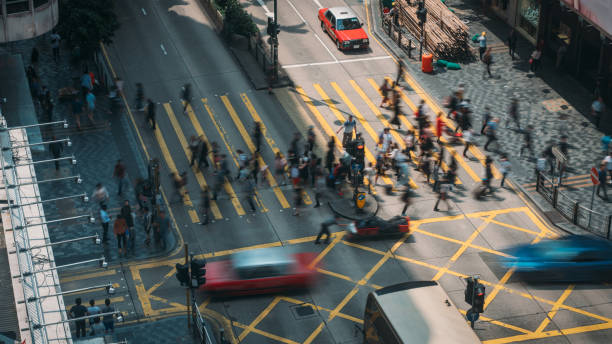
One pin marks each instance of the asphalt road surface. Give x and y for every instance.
(165, 44)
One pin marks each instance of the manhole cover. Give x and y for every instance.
(302, 311)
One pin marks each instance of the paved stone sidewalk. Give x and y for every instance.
(542, 97)
(96, 152)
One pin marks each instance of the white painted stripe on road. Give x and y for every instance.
(163, 49)
(318, 3)
(317, 36)
(143, 11)
(335, 62)
(261, 3)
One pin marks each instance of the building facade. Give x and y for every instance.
(577, 34)
(23, 19)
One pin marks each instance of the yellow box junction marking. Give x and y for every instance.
(72, 278)
(271, 180)
(259, 318)
(550, 315)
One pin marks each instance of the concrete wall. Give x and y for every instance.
(24, 25)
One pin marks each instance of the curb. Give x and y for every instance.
(329, 203)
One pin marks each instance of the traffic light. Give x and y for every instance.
(182, 273)
(360, 152)
(198, 272)
(479, 297)
(469, 290)
(421, 13)
(270, 30)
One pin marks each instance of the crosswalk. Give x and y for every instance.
(229, 119)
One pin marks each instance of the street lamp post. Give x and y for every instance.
(275, 43)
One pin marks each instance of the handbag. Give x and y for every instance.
(531, 60)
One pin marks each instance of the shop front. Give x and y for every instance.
(528, 18)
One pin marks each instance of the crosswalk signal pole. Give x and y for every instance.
(188, 289)
(275, 43)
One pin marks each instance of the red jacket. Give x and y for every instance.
(439, 126)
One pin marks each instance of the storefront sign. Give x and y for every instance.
(599, 12)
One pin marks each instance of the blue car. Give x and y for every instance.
(573, 258)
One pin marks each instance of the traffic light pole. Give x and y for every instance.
(188, 289)
(473, 320)
(275, 43)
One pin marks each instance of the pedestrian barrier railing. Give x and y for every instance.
(395, 31)
(585, 218)
(200, 327)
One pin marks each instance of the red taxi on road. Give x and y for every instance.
(343, 26)
(260, 271)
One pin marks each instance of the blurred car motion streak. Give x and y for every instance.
(570, 259)
(260, 271)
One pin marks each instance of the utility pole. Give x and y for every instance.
(275, 43)
(188, 289)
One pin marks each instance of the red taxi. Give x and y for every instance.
(260, 271)
(343, 26)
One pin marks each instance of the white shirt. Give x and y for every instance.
(608, 161)
(467, 136)
(505, 166)
(386, 141)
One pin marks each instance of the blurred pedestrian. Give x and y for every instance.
(128, 215)
(203, 150)
(534, 60)
(257, 135)
(602, 182)
(513, 113)
(150, 119)
(56, 149)
(406, 198)
(119, 173)
(504, 166)
(297, 200)
(91, 106)
(597, 109)
(400, 72)
(280, 166)
(310, 139)
(100, 194)
(349, 127)
(439, 126)
(79, 311)
(86, 83)
(486, 117)
(108, 319)
(487, 59)
(527, 141)
(512, 39)
(186, 97)
(443, 196)
(147, 224)
(105, 219)
(119, 229)
(482, 44)
(468, 137)
(250, 194)
(491, 131)
(205, 205)
(325, 229)
(93, 310)
(140, 106)
(384, 91)
(77, 110)
(194, 146)
(55, 45)
(162, 227)
(487, 180)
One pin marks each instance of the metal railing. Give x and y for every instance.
(588, 219)
(201, 328)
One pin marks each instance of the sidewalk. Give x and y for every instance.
(96, 150)
(542, 98)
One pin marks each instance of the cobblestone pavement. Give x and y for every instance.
(96, 151)
(542, 98)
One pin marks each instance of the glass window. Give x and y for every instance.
(348, 24)
(529, 15)
(38, 3)
(16, 6)
(377, 330)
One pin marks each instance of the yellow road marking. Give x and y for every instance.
(326, 250)
(340, 117)
(259, 318)
(175, 305)
(266, 334)
(499, 323)
(200, 132)
(451, 150)
(340, 315)
(538, 222)
(550, 334)
(382, 119)
(198, 173)
(455, 241)
(148, 157)
(410, 126)
(161, 281)
(314, 334)
(170, 162)
(143, 297)
(507, 225)
(554, 309)
(109, 272)
(271, 180)
(463, 247)
(247, 140)
(328, 130)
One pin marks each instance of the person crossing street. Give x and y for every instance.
(325, 229)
